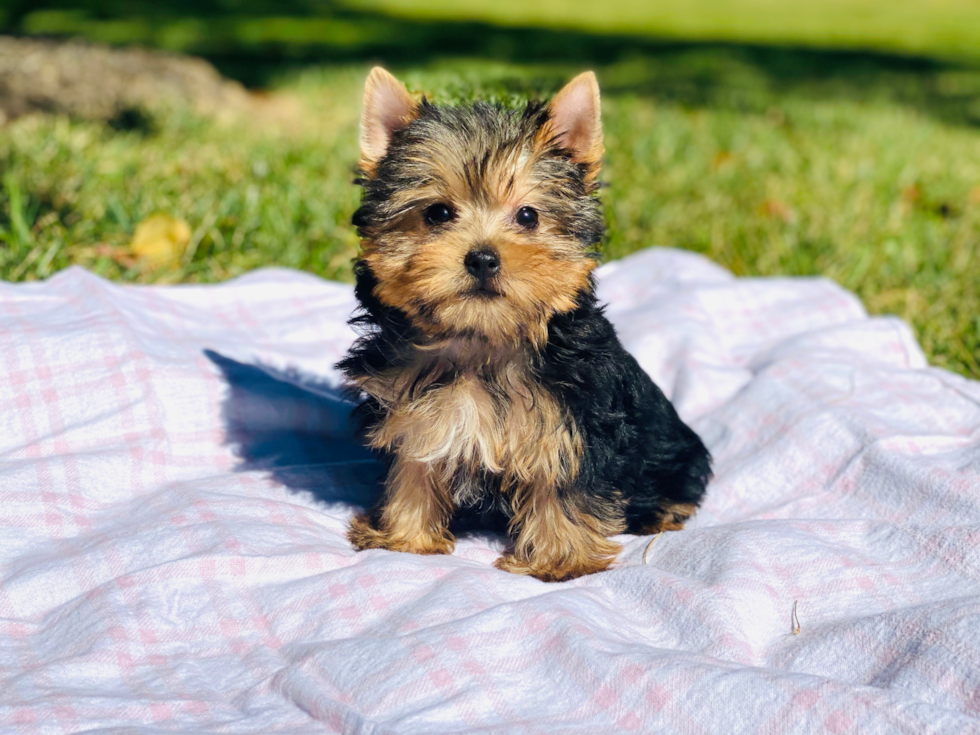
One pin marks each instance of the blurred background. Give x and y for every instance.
(193, 140)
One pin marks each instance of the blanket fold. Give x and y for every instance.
(177, 471)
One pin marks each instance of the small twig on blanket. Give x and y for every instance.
(796, 619)
(647, 549)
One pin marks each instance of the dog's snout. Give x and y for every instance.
(482, 263)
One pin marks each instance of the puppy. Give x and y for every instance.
(490, 378)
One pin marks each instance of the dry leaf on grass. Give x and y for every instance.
(160, 240)
(777, 209)
(120, 255)
(912, 194)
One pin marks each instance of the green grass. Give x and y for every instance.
(939, 27)
(296, 28)
(772, 161)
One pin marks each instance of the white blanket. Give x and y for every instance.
(176, 475)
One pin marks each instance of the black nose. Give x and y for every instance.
(483, 264)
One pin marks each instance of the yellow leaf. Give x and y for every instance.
(160, 240)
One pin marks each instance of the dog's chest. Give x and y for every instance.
(504, 425)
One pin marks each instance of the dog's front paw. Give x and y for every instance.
(548, 571)
(364, 535)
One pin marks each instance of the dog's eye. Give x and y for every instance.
(526, 217)
(439, 214)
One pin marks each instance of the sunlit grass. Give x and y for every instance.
(809, 179)
(936, 27)
(862, 168)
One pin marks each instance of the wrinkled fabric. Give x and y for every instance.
(177, 471)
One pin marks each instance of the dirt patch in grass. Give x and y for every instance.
(116, 85)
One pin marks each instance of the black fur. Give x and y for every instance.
(639, 457)
(636, 446)
(484, 133)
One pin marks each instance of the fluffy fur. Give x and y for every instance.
(499, 392)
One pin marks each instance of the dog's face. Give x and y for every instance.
(477, 222)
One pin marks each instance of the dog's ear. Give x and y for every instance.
(387, 107)
(575, 123)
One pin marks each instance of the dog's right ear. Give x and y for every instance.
(575, 123)
(387, 107)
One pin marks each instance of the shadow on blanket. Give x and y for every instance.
(297, 427)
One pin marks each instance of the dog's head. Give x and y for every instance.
(476, 221)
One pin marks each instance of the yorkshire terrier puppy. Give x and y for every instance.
(489, 376)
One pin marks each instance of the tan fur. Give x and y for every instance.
(416, 514)
(556, 541)
(528, 438)
(673, 519)
(467, 403)
(576, 121)
(541, 270)
(387, 107)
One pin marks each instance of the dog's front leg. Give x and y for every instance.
(556, 541)
(413, 516)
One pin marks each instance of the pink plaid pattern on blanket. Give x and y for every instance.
(176, 474)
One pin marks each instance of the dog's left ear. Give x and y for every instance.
(575, 121)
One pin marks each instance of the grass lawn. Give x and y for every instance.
(940, 27)
(771, 160)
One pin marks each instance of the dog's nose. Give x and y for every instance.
(482, 263)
